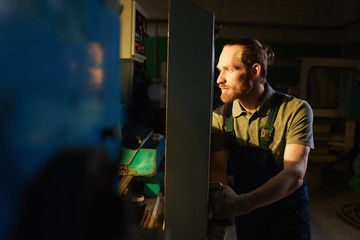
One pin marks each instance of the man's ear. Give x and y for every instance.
(255, 70)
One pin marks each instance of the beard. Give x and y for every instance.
(229, 93)
(228, 96)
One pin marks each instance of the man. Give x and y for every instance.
(265, 137)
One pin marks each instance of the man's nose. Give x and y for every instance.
(220, 79)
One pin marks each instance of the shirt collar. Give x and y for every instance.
(265, 104)
(262, 109)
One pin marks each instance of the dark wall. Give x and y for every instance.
(285, 70)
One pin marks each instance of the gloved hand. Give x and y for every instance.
(226, 204)
(216, 229)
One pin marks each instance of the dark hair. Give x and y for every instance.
(255, 52)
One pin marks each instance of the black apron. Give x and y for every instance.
(251, 167)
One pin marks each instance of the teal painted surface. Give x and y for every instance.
(152, 188)
(145, 160)
(127, 155)
(159, 177)
(144, 164)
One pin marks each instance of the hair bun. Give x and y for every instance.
(270, 55)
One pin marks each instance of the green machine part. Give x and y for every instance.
(153, 185)
(144, 160)
(142, 164)
(152, 188)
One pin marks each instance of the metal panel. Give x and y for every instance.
(132, 31)
(189, 107)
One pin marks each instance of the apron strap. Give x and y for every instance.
(267, 132)
(229, 122)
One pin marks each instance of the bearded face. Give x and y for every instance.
(230, 91)
(234, 79)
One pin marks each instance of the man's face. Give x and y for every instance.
(234, 79)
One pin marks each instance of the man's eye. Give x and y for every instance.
(229, 70)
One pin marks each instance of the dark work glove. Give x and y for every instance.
(226, 204)
(216, 229)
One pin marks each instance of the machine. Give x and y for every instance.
(141, 166)
(142, 175)
(75, 124)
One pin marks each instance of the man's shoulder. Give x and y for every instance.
(221, 111)
(292, 104)
(219, 115)
(292, 101)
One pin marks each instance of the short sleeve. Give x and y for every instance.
(300, 129)
(218, 141)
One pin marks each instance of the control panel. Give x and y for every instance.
(140, 33)
(133, 27)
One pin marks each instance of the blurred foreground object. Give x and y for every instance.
(59, 88)
(73, 198)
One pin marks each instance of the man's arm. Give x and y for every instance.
(285, 182)
(218, 167)
(226, 203)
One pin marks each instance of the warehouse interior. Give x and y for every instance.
(297, 31)
(96, 96)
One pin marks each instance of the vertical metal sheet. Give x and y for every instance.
(189, 105)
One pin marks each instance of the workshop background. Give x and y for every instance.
(80, 124)
(312, 40)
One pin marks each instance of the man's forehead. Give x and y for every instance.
(230, 54)
(233, 50)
